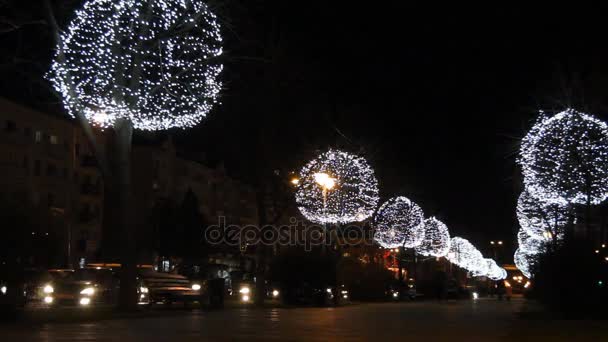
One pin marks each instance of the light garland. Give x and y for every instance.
(436, 240)
(564, 159)
(495, 272)
(525, 262)
(464, 254)
(337, 187)
(542, 221)
(399, 222)
(530, 244)
(151, 62)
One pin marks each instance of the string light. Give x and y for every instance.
(564, 159)
(337, 187)
(543, 221)
(464, 254)
(530, 244)
(399, 222)
(525, 262)
(151, 62)
(436, 240)
(495, 272)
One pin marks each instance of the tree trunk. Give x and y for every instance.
(124, 229)
(261, 250)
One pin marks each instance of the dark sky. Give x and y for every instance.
(436, 98)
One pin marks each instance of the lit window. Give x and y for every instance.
(38, 136)
(54, 140)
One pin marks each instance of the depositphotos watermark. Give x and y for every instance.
(297, 233)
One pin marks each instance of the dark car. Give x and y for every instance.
(85, 286)
(166, 288)
(29, 286)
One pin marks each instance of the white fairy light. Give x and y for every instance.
(465, 255)
(564, 159)
(436, 240)
(399, 222)
(530, 244)
(151, 62)
(543, 221)
(495, 272)
(337, 187)
(525, 262)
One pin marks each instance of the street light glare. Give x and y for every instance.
(324, 180)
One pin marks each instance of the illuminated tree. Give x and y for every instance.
(541, 220)
(337, 187)
(564, 159)
(463, 254)
(494, 271)
(525, 262)
(530, 244)
(436, 241)
(399, 223)
(153, 63)
(125, 64)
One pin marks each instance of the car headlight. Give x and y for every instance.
(3, 289)
(245, 298)
(196, 287)
(88, 291)
(48, 289)
(244, 290)
(143, 289)
(275, 293)
(85, 301)
(48, 300)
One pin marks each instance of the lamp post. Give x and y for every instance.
(495, 245)
(327, 183)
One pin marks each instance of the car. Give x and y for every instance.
(25, 286)
(85, 287)
(167, 288)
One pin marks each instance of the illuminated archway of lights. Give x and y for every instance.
(564, 159)
(337, 187)
(525, 262)
(543, 221)
(436, 240)
(154, 63)
(399, 222)
(465, 255)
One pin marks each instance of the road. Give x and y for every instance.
(483, 320)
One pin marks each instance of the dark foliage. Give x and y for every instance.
(572, 280)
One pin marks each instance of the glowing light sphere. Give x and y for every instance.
(337, 187)
(399, 222)
(495, 272)
(530, 244)
(543, 221)
(465, 255)
(525, 262)
(436, 240)
(151, 62)
(564, 159)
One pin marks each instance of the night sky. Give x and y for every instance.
(436, 98)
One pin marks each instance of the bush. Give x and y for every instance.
(571, 280)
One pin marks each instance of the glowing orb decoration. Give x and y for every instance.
(151, 62)
(542, 221)
(399, 222)
(337, 187)
(564, 159)
(436, 240)
(530, 244)
(464, 254)
(495, 272)
(525, 262)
